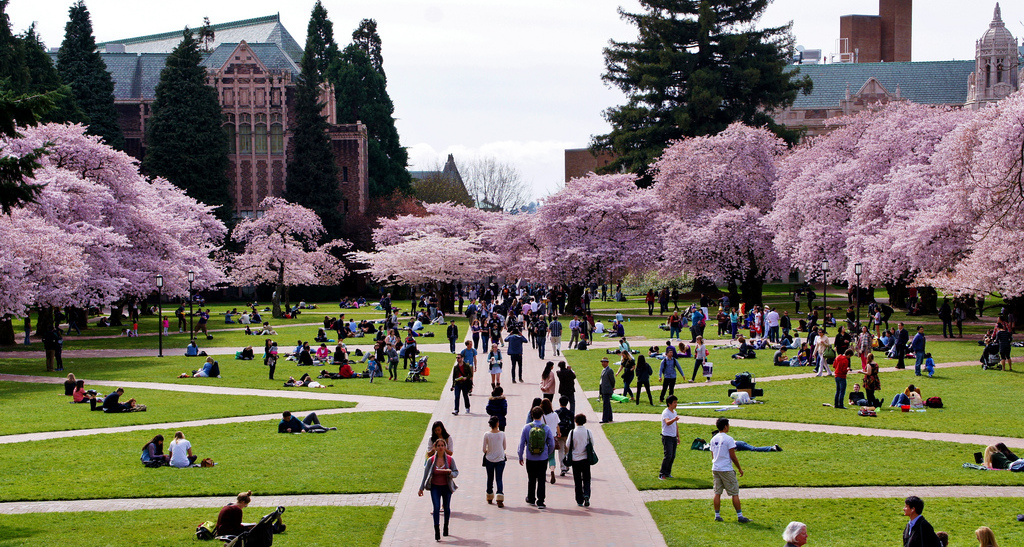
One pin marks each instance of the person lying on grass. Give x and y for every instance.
(305, 381)
(291, 424)
(112, 403)
(740, 446)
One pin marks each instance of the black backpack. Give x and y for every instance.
(565, 421)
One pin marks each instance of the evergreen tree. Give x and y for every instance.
(186, 143)
(43, 78)
(312, 177)
(12, 56)
(320, 41)
(366, 37)
(696, 67)
(362, 95)
(81, 68)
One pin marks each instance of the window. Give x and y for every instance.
(261, 97)
(245, 139)
(276, 139)
(229, 130)
(261, 138)
(344, 203)
(229, 97)
(344, 173)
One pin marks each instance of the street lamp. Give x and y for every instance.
(824, 294)
(191, 279)
(858, 268)
(160, 312)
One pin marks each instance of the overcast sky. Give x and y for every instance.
(519, 80)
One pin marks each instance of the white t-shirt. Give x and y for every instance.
(179, 453)
(720, 446)
(669, 430)
(772, 318)
(494, 446)
(598, 327)
(551, 420)
(580, 436)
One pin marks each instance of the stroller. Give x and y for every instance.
(260, 535)
(418, 370)
(990, 358)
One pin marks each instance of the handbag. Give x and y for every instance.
(591, 455)
(567, 456)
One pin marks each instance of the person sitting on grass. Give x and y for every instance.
(247, 354)
(746, 352)
(322, 353)
(780, 359)
(908, 397)
(80, 395)
(181, 452)
(311, 424)
(211, 369)
(192, 350)
(345, 370)
(153, 452)
(69, 385)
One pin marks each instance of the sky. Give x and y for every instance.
(518, 80)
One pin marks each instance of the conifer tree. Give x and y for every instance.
(43, 78)
(83, 70)
(361, 92)
(13, 71)
(185, 141)
(312, 177)
(320, 40)
(695, 68)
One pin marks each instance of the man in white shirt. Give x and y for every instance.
(723, 457)
(772, 320)
(669, 437)
(598, 328)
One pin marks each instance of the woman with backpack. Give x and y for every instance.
(439, 473)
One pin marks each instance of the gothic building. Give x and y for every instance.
(996, 72)
(253, 65)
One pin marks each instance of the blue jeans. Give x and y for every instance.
(673, 332)
(840, 391)
(494, 473)
(918, 361)
(464, 391)
(900, 399)
(451, 345)
(740, 446)
(437, 495)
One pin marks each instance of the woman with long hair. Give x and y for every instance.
(547, 382)
(494, 365)
(626, 368)
(494, 461)
(437, 431)
(643, 378)
(871, 381)
(551, 420)
(439, 473)
(153, 451)
(181, 452)
(474, 328)
(985, 537)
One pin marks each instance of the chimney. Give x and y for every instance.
(897, 19)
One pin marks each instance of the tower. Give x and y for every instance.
(897, 19)
(995, 74)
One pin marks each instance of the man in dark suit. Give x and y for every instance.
(902, 337)
(918, 533)
(607, 388)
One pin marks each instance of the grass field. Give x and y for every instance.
(307, 527)
(807, 459)
(349, 460)
(43, 407)
(236, 373)
(835, 523)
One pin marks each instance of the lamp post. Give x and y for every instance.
(191, 279)
(824, 294)
(160, 312)
(858, 268)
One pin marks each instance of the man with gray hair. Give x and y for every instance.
(795, 535)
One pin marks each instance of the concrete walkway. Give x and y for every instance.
(617, 504)
(136, 504)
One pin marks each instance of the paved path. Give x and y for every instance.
(617, 504)
(136, 504)
(874, 492)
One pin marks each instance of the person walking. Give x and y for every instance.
(515, 353)
(723, 458)
(555, 331)
(567, 384)
(667, 373)
(540, 335)
(650, 301)
(643, 378)
(919, 532)
(669, 437)
(902, 337)
(574, 329)
(439, 473)
(864, 346)
(453, 335)
(841, 368)
(700, 358)
(462, 382)
(917, 346)
(626, 369)
(576, 447)
(494, 461)
(547, 381)
(494, 365)
(541, 442)
(607, 389)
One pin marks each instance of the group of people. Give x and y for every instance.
(179, 452)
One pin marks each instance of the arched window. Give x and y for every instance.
(261, 138)
(244, 139)
(276, 139)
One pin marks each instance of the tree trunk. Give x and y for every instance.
(734, 294)
(45, 321)
(116, 310)
(753, 290)
(276, 301)
(445, 301)
(287, 299)
(929, 299)
(704, 285)
(7, 331)
(897, 294)
(81, 316)
(572, 303)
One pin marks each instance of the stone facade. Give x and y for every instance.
(996, 72)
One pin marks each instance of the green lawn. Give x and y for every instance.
(307, 527)
(43, 407)
(236, 373)
(975, 402)
(807, 459)
(352, 459)
(835, 523)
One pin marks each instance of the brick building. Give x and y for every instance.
(253, 64)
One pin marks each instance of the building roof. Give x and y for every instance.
(929, 82)
(269, 54)
(266, 29)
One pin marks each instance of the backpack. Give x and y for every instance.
(205, 530)
(744, 380)
(830, 352)
(933, 402)
(538, 439)
(565, 421)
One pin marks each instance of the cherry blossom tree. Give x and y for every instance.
(713, 194)
(281, 249)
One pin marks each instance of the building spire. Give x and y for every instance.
(997, 17)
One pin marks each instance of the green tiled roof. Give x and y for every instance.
(270, 55)
(929, 82)
(276, 18)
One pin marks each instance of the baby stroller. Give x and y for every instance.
(990, 358)
(418, 370)
(260, 535)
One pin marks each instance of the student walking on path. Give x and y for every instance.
(723, 458)
(494, 461)
(667, 373)
(538, 442)
(439, 473)
(669, 437)
(515, 353)
(607, 389)
(576, 447)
